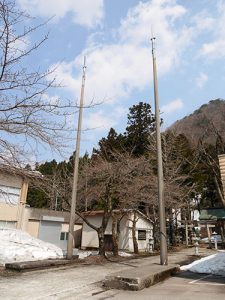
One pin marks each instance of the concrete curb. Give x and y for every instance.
(140, 278)
(39, 264)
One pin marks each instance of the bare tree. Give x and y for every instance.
(98, 187)
(115, 187)
(208, 156)
(26, 109)
(179, 161)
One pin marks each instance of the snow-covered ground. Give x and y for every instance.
(213, 264)
(17, 245)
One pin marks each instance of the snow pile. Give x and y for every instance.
(213, 264)
(17, 245)
(84, 254)
(125, 254)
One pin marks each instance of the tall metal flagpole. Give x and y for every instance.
(70, 243)
(162, 220)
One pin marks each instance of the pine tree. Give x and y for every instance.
(113, 143)
(141, 123)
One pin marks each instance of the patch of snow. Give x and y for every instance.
(83, 254)
(17, 245)
(124, 254)
(212, 239)
(213, 264)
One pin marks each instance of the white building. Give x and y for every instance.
(144, 231)
(48, 225)
(13, 195)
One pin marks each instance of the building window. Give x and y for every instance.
(64, 236)
(9, 194)
(8, 224)
(142, 235)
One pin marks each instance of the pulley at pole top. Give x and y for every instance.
(84, 71)
(153, 46)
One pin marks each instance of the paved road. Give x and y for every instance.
(184, 286)
(80, 282)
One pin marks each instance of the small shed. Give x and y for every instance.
(213, 219)
(144, 231)
(52, 226)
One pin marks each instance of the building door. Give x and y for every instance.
(50, 232)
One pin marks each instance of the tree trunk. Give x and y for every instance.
(135, 243)
(209, 236)
(186, 232)
(220, 193)
(101, 241)
(222, 234)
(102, 228)
(147, 210)
(115, 237)
(176, 233)
(171, 229)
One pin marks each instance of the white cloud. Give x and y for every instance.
(216, 47)
(116, 69)
(201, 80)
(172, 106)
(84, 12)
(99, 121)
(20, 46)
(204, 21)
(156, 15)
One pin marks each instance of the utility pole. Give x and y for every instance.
(162, 219)
(86, 192)
(75, 173)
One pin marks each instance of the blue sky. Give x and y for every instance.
(115, 37)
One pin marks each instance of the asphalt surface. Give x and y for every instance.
(85, 282)
(184, 286)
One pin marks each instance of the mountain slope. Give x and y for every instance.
(203, 123)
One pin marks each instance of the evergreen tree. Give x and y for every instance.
(113, 143)
(207, 175)
(55, 189)
(141, 123)
(48, 168)
(37, 198)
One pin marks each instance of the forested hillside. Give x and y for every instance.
(206, 123)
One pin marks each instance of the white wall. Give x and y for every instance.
(90, 237)
(142, 224)
(195, 215)
(124, 234)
